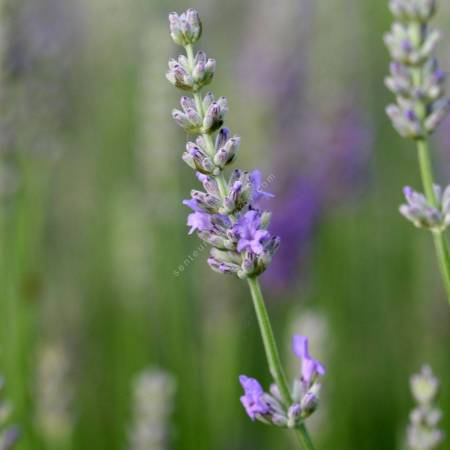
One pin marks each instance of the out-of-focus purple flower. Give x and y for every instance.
(334, 155)
(9, 438)
(252, 400)
(295, 219)
(311, 368)
(321, 158)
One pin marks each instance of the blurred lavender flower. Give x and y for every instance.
(9, 434)
(336, 172)
(322, 156)
(54, 396)
(423, 432)
(424, 215)
(269, 407)
(153, 392)
(415, 77)
(43, 41)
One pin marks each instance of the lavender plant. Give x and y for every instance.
(54, 394)
(227, 216)
(153, 392)
(418, 83)
(423, 432)
(9, 434)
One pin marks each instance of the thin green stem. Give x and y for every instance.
(440, 240)
(426, 170)
(273, 357)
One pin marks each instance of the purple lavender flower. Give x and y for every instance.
(296, 216)
(322, 159)
(226, 213)
(269, 407)
(311, 368)
(336, 172)
(251, 236)
(252, 400)
(199, 221)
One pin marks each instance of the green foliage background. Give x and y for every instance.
(91, 237)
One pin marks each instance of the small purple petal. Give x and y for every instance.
(199, 221)
(191, 203)
(310, 366)
(252, 398)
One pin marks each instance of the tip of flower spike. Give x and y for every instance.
(300, 345)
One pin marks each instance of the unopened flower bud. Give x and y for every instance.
(226, 153)
(310, 401)
(186, 28)
(294, 414)
(214, 115)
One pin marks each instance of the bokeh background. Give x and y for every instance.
(111, 330)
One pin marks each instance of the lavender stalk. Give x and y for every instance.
(153, 392)
(227, 216)
(418, 83)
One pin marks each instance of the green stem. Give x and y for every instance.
(273, 357)
(440, 240)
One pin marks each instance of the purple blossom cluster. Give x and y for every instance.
(415, 78)
(269, 408)
(227, 213)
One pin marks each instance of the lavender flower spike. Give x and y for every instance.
(415, 77)
(423, 432)
(421, 105)
(226, 214)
